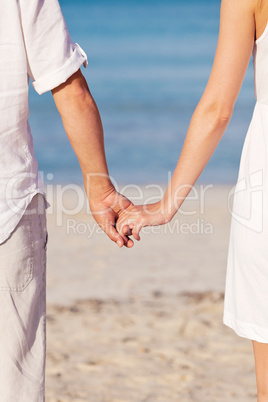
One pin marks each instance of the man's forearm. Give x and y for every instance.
(82, 123)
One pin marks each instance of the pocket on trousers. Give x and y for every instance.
(16, 258)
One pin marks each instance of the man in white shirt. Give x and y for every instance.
(35, 43)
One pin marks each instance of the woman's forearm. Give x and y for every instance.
(204, 134)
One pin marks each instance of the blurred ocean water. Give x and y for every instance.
(149, 62)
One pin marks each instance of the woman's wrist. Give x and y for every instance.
(160, 209)
(169, 207)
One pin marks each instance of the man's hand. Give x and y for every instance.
(106, 210)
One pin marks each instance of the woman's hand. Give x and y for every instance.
(135, 217)
(106, 209)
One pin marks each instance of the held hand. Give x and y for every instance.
(106, 210)
(135, 217)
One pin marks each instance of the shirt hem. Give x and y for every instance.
(244, 329)
(16, 221)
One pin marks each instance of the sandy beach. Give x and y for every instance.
(143, 324)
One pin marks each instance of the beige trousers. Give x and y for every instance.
(23, 308)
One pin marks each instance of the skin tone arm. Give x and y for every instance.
(210, 119)
(82, 123)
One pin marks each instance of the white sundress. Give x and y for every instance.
(246, 286)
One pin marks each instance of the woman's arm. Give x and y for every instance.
(211, 117)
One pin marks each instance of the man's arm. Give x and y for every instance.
(82, 123)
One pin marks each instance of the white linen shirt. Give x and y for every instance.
(34, 43)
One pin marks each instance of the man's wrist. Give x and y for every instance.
(97, 185)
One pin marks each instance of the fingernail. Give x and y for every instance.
(118, 243)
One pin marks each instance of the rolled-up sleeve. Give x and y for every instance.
(52, 57)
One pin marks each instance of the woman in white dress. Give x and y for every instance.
(243, 30)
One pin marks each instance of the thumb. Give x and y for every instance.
(126, 230)
(136, 231)
(121, 241)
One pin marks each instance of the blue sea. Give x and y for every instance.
(149, 63)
